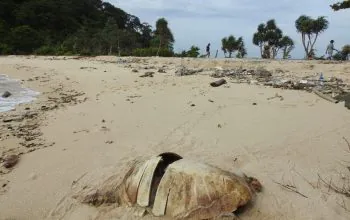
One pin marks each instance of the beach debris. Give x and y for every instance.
(347, 101)
(218, 83)
(147, 74)
(210, 100)
(325, 96)
(193, 105)
(168, 185)
(10, 161)
(6, 94)
(183, 71)
(276, 96)
(291, 188)
(134, 70)
(161, 70)
(87, 67)
(333, 89)
(254, 103)
(109, 142)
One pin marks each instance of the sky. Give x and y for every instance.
(198, 22)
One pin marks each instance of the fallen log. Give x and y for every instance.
(218, 83)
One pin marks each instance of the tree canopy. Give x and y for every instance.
(341, 5)
(270, 40)
(70, 27)
(163, 34)
(310, 29)
(230, 45)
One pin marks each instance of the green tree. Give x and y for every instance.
(343, 54)
(341, 5)
(70, 27)
(310, 29)
(193, 52)
(268, 37)
(242, 51)
(110, 35)
(346, 51)
(24, 39)
(230, 45)
(287, 45)
(163, 34)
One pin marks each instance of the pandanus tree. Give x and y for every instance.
(310, 29)
(231, 45)
(287, 45)
(270, 40)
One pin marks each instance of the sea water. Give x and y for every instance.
(19, 95)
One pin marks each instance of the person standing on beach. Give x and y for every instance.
(329, 50)
(208, 50)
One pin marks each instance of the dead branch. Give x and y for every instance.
(348, 143)
(291, 188)
(343, 191)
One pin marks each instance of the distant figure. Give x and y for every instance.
(208, 50)
(329, 50)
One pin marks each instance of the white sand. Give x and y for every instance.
(289, 141)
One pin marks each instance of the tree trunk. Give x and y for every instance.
(313, 43)
(305, 48)
(118, 48)
(261, 50)
(160, 44)
(110, 50)
(230, 55)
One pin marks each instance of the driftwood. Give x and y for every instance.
(218, 83)
(324, 96)
(147, 74)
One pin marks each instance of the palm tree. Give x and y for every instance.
(231, 44)
(310, 29)
(287, 45)
(267, 38)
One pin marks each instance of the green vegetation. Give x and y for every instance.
(85, 27)
(231, 45)
(270, 40)
(287, 45)
(310, 29)
(341, 5)
(343, 54)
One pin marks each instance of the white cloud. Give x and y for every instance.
(201, 21)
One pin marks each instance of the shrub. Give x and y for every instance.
(147, 52)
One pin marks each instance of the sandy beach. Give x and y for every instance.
(94, 114)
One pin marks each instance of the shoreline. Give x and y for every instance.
(99, 113)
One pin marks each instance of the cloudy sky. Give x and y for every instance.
(197, 22)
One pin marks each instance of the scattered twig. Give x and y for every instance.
(291, 188)
(305, 179)
(348, 143)
(344, 191)
(344, 206)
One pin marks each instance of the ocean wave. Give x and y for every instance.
(19, 95)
